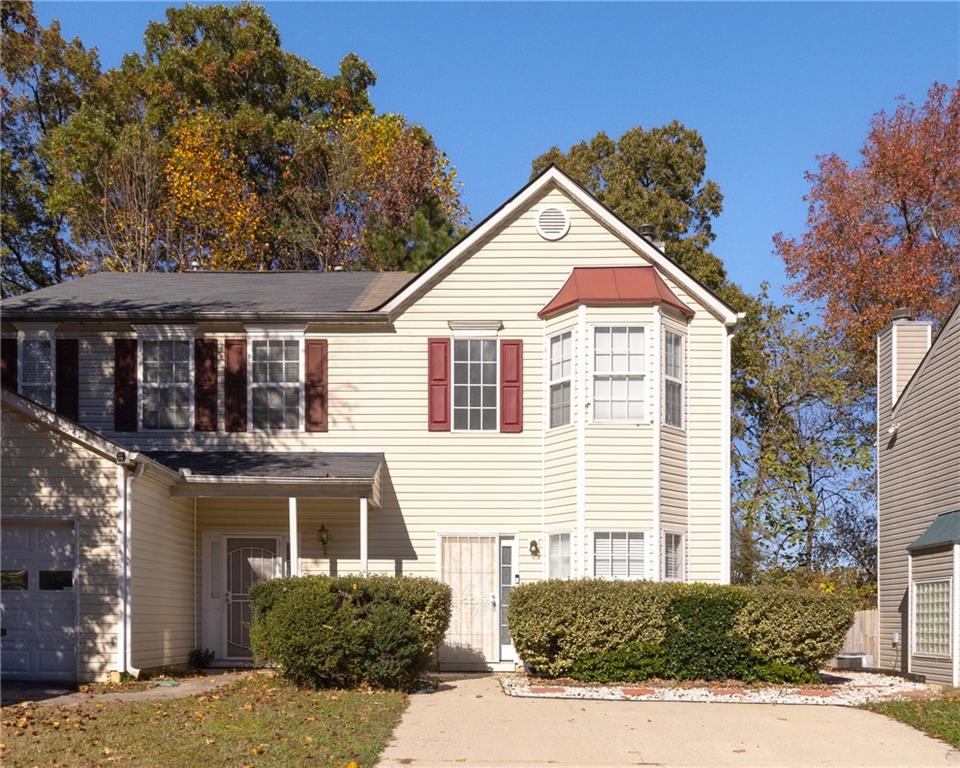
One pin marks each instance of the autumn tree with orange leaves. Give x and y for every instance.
(886, 233)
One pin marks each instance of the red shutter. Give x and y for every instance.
(511, 385)
(205, 385)
(438, 385)
(315, 385)
(235, 385)
(125, 385)
(8, 363)
(68, 378)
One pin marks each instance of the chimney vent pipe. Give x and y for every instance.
(901, 313)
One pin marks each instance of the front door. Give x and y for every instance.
(479, 569)
(249, 560)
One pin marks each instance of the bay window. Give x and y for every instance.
(618, 358)
(618, 554)
(674, 565)
(560, 379)
(558, 546)
(673, 379)
(475, 384)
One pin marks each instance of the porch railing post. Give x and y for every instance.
(294, 538)
(363, 536)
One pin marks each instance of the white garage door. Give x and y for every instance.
(38, 603)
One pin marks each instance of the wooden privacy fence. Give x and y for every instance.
(862, 636)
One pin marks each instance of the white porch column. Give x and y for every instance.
(294, 538)
(363, 536)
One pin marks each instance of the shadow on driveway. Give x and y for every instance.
(16, 691)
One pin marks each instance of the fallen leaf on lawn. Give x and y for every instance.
(310, 719)
(257, 750)
(199, 715)
(208, 741)
(353, 764)
(22, 722)
(248, 706)
(307, 739)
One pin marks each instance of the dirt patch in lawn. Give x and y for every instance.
(260, 721)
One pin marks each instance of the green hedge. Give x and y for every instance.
(634, 630)
(343, 632)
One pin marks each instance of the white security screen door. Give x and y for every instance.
(469, 565)
(508, 570)
(249, 560)
(38, 601)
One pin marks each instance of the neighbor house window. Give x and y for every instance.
(618, 555)
(673, 556)
(275, 386)
(931, 618)
(475, 384)
(561, 371)
(673, 379)
(559, 564)
(166, 388)
(36, 369)
(618, 374)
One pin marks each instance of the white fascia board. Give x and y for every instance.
(558, 178)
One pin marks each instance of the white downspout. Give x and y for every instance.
(138, 470)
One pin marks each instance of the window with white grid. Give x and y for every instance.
(166, 383)
(475, 384)
(673, 379)
(559, 563)
(275, 385)
(618, 555)
(36, 370)
(618, 374)
(561, 373)
(931, 618)
(673, 556)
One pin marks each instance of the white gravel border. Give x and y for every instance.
(847, 689)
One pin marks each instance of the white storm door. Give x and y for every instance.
(248, 561)
(468, 564)
(507, 580)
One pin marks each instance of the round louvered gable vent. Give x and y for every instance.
(552, 222)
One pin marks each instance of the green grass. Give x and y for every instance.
(259, 722)
(937, 717)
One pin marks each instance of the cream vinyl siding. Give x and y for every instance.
(46, 474)
(162, 575)
(935, 565)
(673, 450)
(486, 482)
(918, 472)
(560, 443)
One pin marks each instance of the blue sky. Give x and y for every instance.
(769, 86)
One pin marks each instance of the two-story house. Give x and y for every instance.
(918, 498)
(550, 399)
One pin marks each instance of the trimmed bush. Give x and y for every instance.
(633, 630)
(344, 632)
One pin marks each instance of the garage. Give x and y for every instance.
(38, 601)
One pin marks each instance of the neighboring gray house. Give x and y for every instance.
(918, 498)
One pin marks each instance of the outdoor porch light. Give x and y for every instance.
(324, 536)
(534, 548)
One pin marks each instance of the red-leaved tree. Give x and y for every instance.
(886, 233)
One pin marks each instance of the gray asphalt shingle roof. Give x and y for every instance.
(294, 465)
(217, 295)
(943, 531)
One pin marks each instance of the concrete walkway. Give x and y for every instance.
(468, 721)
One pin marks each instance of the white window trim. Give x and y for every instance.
(647, 536)
(590, 389)
(547, 377)
(546, 560)
(683, 554)
(165, 333)
(284, 333)
(453, 385)
(38, 333)
(682, 381)
(913, 618)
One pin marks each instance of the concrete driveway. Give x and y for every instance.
(469, 722)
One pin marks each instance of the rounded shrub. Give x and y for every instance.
(345, 632)
(629, 631)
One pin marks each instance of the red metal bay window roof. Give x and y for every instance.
(614, 285)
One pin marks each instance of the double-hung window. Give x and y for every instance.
(673, 379)
(37, 368)
(275, 383)
(475, 384)
(931, 618)
(558, 566)
(561, 374)
(618, 374)
(674, 564)
(618, 554)
(166, 389)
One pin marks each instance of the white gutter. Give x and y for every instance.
(126, 531)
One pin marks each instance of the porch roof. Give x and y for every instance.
(274, 474)
(943, 531)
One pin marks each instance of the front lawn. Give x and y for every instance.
(260, 721)
(937, 717)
